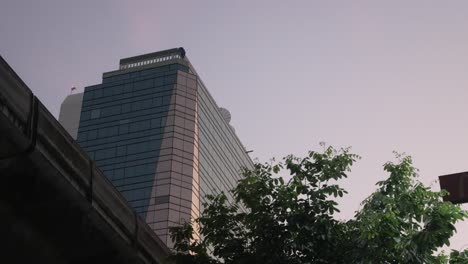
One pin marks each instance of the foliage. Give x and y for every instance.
(404, 221)
(457, 257)
(273, 221)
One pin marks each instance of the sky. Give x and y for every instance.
(379, 76)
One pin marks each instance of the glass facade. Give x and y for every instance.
(158, 135)
(222, 155)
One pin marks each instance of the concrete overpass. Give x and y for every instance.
(55, 204)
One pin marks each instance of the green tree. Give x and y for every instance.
(273, 221)
(459, 257)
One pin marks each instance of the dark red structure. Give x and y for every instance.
(457, 185)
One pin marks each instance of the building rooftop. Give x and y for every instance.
(151, 58)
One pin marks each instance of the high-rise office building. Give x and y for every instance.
(70, 112)
(156, 132)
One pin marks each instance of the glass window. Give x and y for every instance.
(85, 115)
(123, 129)
(170, 79)
(118, 174)
(126, 108)
(138, 126)
(137, 148)
(113, 110)
(159, 81)
(97, 93)
(92, 134)
(186, 194)
(136, 106)
(156, 122)
(147, 103)
(117, 89)
(96, 113)
(143, 84)
(190, 104)
(129, 172)
(105, 153)
(113, 131)
(102, 132)
(88, 95)
(108, 91)
(128, 87)
(163, 121)
(166, 100)
(179, 121)
(154, 145)
(157, 101)
(161, 200)
(144, 125)
(121, 150)
(82, 136)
